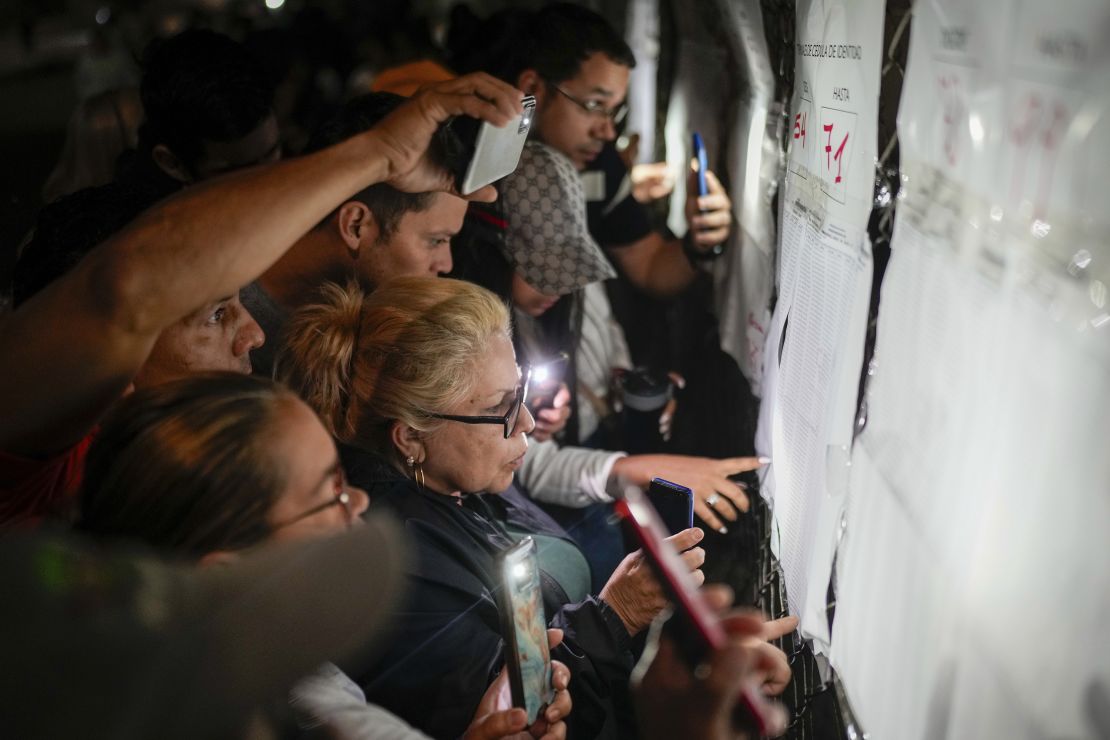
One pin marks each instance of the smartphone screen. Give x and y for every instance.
(524, 628)
(673, 503)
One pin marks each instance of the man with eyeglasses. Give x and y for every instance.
(577, 66)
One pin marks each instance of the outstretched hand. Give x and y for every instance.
(716, 497)
(552, 419)
(405, 134)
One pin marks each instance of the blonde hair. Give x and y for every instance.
(409, 349)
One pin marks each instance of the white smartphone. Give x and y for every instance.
(496, 151)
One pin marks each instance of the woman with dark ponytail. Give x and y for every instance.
(207, 467)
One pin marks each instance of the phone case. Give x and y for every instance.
(703, 163)
(497, 150)
(673, 503)
(524, 628)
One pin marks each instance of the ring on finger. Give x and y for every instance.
(712, 500)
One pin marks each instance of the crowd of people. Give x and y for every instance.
(306, 370)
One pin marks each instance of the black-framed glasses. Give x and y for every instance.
(595, 107)
(510, 417)
(342, 498)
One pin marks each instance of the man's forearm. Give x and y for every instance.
(671, 270)
(74, 347)
(655, 265)
(208, 241)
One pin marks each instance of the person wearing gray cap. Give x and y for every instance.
(560, 304)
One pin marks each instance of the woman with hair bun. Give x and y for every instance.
(419, 381)
(208, 466)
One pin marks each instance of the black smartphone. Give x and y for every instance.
(695, 628)
(544, 382)
(481, 153)
(524, 628)
(673, 503)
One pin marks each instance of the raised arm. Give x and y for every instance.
(660, 266)
(71, 350)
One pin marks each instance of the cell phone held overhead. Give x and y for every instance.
(524, 628)
(481, 153)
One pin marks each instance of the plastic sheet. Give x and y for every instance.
(975, 541)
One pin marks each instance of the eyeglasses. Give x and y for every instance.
(342, 498)
(595, 107)
(510, 417)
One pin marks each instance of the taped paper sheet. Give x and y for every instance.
(814, 350)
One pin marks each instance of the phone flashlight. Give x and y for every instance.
(546, 371)
(545, 381)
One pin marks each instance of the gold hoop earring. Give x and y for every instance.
(415, 471)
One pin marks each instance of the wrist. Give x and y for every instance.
(635, 469)
(611, 602)
(379, 158)
(696, 255)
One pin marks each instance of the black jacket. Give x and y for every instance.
(446, 647)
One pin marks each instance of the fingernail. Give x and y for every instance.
(764, 460)
(723, 529)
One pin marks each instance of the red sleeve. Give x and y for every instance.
(32, 490)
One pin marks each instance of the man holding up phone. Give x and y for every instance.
(75, 347)
(577, 66)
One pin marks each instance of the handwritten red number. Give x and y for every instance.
(800, 127)
(837, 157)
(828, 145)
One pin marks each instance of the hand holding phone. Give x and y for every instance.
(545, 381)
(496, 718)
(524, 628)
(695, 627)
(673, 700)
(485, 153)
